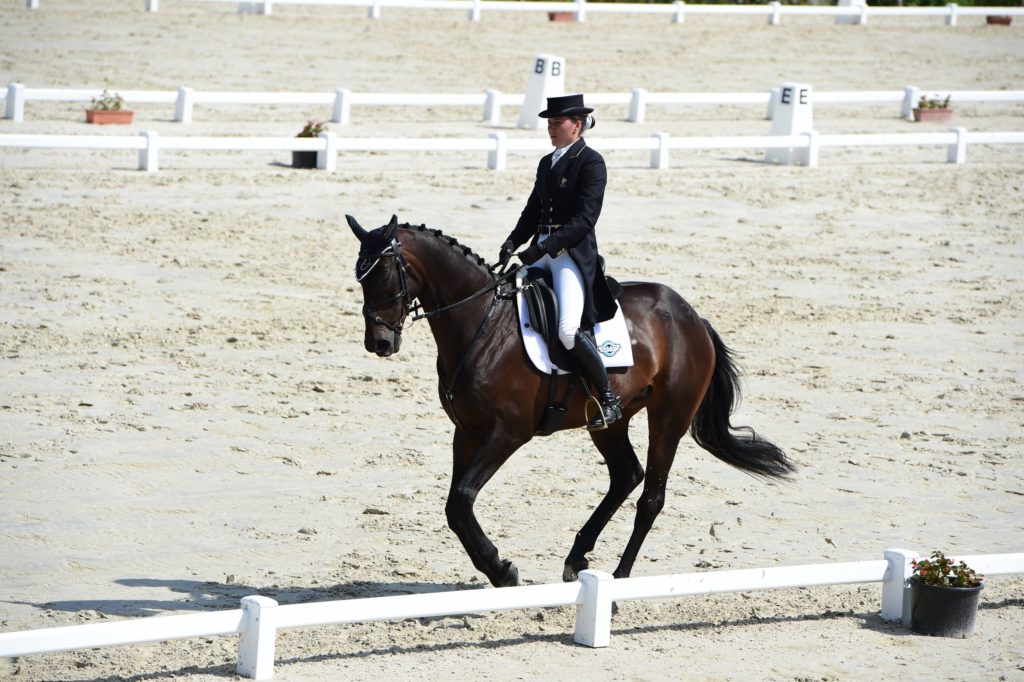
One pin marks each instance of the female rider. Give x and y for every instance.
(559, 221)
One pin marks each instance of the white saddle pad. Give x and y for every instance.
(612, 338)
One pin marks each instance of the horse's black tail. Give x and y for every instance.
(711, 428)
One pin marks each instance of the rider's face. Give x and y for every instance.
(563, 131)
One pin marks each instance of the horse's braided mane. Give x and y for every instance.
(451, 241)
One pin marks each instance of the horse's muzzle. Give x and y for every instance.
(383, 346)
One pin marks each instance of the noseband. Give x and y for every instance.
(408, 305)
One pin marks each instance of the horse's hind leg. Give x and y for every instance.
(625, 474)
(475, 462)
(664, 439)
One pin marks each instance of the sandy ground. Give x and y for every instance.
(188, 416)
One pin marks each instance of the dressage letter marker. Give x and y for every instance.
(547, 79)
(792, 115)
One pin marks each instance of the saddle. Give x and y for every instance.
(542, 304)
(541, 307)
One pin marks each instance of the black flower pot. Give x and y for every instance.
(943, 611)
(303, 159)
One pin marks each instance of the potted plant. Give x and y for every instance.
(943, 597)
(308, 159)
(933, 109)
(106, 109)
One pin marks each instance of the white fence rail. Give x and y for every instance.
(260, 618)
(580, 8)
(150, 144)
(342, 99)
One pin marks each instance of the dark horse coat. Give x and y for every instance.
(571, 195)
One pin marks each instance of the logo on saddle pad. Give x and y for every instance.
(609, 349)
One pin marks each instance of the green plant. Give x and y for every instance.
(933, 102)
(108, 102)
(312, 129)
(941, 570)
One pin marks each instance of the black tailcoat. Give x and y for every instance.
(571, 195)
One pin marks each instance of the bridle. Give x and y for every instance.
(410, 305)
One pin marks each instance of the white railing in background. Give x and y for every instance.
(150, 144)
(342, 99)
(259, 618)
(580, 8)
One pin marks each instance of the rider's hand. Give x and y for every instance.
(505, 254)
(531, 254)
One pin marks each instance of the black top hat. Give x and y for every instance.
(567, 105)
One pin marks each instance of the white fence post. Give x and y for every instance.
(679, 16)
(496, 157)
(775, 17)
(152, 5)
(492, 106)
(32, 4)
(811, 155)
(184, 104)
(659, 156)
(15, 102)
(474, 12)
(951, 17)
(638, 105)
(581, 10)
(911, 94)
(266, 7)
(327, 159)
(851, 18)
(895, 591)
(594, 615)
(149, 156)
(374, 11)
(773, 100)
(342, 106)
(256, 643)
(957, 152)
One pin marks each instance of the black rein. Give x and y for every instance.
(410, 304)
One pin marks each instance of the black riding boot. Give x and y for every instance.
(589, 364)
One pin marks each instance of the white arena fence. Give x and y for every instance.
(853, 14)
(259, 618)
(328, 145)
(342, 99)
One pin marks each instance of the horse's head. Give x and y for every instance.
(387, 283)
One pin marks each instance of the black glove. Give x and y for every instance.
(505, 254)
(532, 254)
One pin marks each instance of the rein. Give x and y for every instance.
(411, 304)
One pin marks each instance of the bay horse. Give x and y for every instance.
(682, 374)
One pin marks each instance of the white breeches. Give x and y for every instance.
(568, 283)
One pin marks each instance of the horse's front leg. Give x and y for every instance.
(625, 474)
(475, 461)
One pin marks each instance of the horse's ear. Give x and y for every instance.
(391, 227)
(357, 229)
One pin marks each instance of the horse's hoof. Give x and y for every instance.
(508, 577)
(571, 573)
